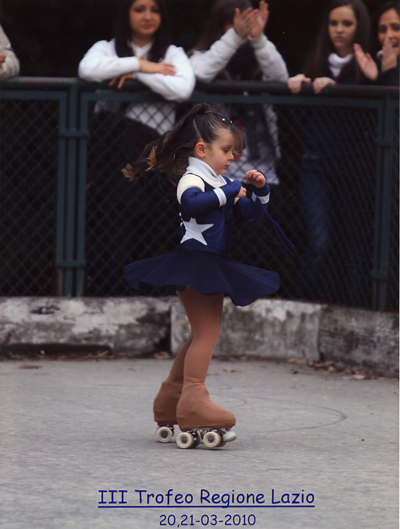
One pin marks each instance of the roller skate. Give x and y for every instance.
(200, 419)
(211, 437)
(164, 408)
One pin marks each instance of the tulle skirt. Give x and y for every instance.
(207, 272)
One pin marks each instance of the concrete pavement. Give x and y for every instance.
(325, 443)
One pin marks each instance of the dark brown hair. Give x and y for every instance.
(375, 45)
(123, 32)
(170, 152)
(317, 64)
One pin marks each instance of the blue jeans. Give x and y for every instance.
(333, 267)
(316, 194)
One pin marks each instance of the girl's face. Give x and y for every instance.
(144, 20)
(342, 29)
(389, 26)
(219, 154)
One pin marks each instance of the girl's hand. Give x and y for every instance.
(255, 178)
(121, 79)
(165, 68)
(365, 62)
(242, 193)
(389, 56)
(321, 82)
(261, 20)
(243, 22)
(294, 83)
(2, 58)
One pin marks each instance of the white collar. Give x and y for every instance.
(201, 168)
(336, 63)
(141, 51)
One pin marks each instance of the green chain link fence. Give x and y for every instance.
(70, 221)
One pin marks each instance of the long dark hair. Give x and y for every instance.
(122, 32)
(317, 64)
(375, 45)
(170, 152)
(222, 13)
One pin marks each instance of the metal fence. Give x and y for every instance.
(70, 222)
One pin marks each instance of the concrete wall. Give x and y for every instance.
(267, 328)
(125, 325)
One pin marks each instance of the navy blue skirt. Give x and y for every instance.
(206, 272)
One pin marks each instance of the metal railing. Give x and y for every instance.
(69, 221)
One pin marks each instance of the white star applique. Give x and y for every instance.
(194, 231)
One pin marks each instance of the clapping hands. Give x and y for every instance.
(251, 22)
(367, 63)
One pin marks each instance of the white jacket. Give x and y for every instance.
(101, 63)
(10, 67)
(208, 64)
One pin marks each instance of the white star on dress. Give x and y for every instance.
(194, 231)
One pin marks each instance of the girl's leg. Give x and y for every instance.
(205, 315)
(167, 398)
(195, 408)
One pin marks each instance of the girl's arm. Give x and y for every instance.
(176, 87)
(270, 60)
(208, 64)
(198, 202)
(252, 210)
(101, 63)
(9, 65)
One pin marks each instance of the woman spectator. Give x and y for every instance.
(330, 170)
(119, 131)
(233, 46)
(385, 47)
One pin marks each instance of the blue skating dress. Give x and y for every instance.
(207, 207)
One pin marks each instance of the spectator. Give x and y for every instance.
(9, 63)
(330, 179)
(384, 70)
(119, 131)
(141, 50)
(233, 46)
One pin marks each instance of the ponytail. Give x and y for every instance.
(170, 152)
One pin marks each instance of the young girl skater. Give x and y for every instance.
(201, 147)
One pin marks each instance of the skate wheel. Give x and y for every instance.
(212, 439)
(229, 436)
(185, 440)
(164, 434)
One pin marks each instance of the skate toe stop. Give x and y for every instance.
(229, 436)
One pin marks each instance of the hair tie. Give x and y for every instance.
(226, 120)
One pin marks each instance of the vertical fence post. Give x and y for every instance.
(60, 215)
(70, 222)
(384, 199)
(81, 194)
(70, 192)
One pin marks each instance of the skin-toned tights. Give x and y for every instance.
(205, 316)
